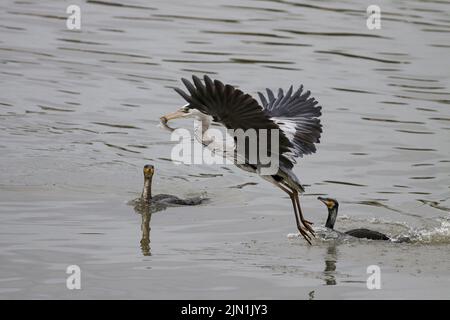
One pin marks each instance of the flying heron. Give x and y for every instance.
(294, 114)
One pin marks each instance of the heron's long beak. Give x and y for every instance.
(171, 116)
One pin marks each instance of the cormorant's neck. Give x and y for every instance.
(147, 190)
(331, 220)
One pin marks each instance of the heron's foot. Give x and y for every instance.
(308, 225)
(305, 234)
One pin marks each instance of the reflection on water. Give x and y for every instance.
(149, 203)
(331, 258)
(146, 217)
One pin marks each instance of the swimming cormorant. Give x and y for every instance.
(162, 199)
(333, 207)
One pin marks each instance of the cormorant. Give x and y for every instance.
(161, 199)
(362, 233)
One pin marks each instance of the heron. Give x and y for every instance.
(362, 233)
(295, 115)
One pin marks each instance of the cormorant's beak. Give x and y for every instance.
(325, 201)
(170, 116)
(148, 171)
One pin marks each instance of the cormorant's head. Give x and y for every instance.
(332, 206)
(329, 202)
(149, 170)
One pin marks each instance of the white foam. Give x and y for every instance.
(439, 234)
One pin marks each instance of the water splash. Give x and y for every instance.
(435, 235)
(439, 234)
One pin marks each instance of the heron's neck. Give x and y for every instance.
(147, 190)
(331, 220)
(200, 129)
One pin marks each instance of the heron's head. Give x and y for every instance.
(329, 202)
(184, 112)
(149, 170)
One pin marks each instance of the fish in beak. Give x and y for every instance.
(182, 113)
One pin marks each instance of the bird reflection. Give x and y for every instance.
(147, 204)
(145, 209)
(145, 228)
(330, 264)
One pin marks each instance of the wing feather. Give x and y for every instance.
(238, 110)
(298, 115)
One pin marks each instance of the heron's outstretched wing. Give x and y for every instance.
(297, 114)
(232, 108)
(226, 104)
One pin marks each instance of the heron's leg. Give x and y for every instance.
(303, 231)
(305, 222)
